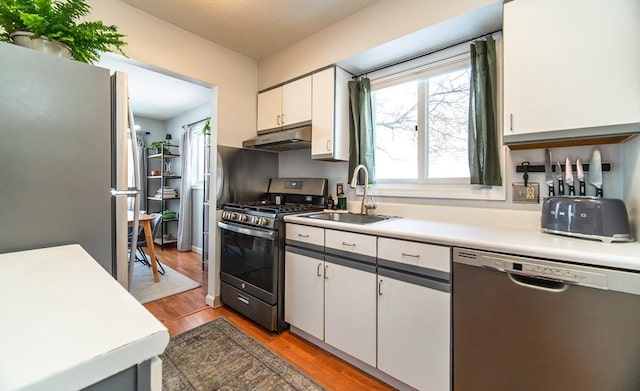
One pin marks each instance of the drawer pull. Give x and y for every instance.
(380, 287)
(411, 255)
(326, 275)
(318, 272)
(243, 299)
(348, 244)
(303, 236)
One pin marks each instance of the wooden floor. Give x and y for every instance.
(188, 310)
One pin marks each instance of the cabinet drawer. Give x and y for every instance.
(351, 242)
(417, 254)
(305, 234)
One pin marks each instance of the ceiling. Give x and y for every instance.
(254, 28)
(154, 94)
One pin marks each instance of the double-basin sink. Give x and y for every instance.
(351, 218)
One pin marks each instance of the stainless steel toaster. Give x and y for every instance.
(604, 219)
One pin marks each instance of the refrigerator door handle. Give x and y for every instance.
(129, 193)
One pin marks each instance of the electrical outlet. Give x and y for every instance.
(529, 194)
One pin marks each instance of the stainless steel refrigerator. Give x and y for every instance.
(64, 157)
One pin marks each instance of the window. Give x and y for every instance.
(421, 124)
(197, 154)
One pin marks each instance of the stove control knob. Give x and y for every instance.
(225, 215)
(264, 221)
(243, 218)
(232, 216)
(255, 220)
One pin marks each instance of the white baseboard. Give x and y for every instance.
(197, 250)
(213, 302)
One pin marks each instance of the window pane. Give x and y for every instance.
(197, 161)
(396, 138)
(447, 136)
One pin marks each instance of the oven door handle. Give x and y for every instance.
(270, 235)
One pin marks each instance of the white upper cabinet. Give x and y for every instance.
(296, 101)
(284, 106)
(270, 109)
(571, 65)
(330, 115)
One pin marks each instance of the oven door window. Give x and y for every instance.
(249, 258)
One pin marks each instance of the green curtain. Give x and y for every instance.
(484, 159)
(361, 149)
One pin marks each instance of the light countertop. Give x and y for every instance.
(65, 323)
(519, 241)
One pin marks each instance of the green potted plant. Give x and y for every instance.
(206, 129)
(57, 21)
(160, 146)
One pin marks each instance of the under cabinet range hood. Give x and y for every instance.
(281, 140)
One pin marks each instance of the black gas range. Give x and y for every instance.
(252, 247)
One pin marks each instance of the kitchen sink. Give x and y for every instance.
(351, 218)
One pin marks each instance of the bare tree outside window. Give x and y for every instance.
(446, 97)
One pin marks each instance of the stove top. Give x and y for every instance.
(272, 208)
(285, 196)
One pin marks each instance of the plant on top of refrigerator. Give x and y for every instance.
(56, 20)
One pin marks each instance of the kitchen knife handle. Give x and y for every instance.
(583, 191)
(552, 191)
(572, 190)
(599, 192)
(560, 187)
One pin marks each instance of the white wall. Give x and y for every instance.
(383, 21)
(157, 129)
(153, 41)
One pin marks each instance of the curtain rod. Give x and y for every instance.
(193, 123)
(422, 55)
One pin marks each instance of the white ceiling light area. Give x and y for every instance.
(156, 95)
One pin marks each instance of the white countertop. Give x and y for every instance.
(519, 241)
(65, 323)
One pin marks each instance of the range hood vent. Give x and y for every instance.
(283, 140)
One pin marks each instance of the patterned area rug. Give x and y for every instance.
(218, 356)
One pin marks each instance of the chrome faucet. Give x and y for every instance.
(366, 206)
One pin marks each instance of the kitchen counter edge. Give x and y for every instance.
(516, 241)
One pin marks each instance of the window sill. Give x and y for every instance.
(442, 191)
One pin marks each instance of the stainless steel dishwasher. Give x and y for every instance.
(529, 324)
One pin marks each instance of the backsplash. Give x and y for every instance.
(623, 181)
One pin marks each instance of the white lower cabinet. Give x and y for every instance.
(385, 303)
(304, 293)
(332, 302)
(414, 334)
(350, 311)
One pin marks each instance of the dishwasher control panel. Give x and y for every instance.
(573, 274)
(558, 273)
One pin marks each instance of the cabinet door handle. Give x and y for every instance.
(278, 120)
(411, 255)
(380, 287)
(282, 119)
(303, 236)
(348, 244)
(318, 271)
(329, 145)
(326, 275)
(511, 122)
